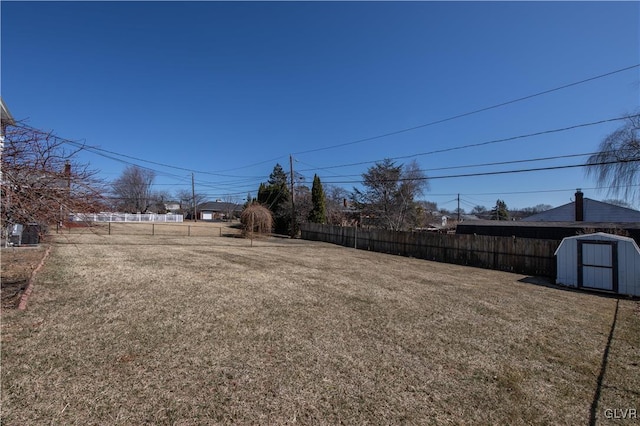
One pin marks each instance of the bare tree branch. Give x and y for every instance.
(133, 189)
(42, 181)
(616, 164)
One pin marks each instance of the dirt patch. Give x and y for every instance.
(17, 264)
(11, 293)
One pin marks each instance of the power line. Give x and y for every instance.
(103, 152)
(546, 190)
(498, 163)
(466, 114)
(501, 172)
(536, 191)
(494, 141)
(108, 154)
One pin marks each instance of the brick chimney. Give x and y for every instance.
(579, 205)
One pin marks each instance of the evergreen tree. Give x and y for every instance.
(318, 212)
(249, 201)
(500, 212)
(276, 197)
(278, 177)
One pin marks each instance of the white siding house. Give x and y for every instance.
(599, 261)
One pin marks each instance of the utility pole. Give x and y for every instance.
(293, 204)
(67, 174)
(193, 197)
(458, 208)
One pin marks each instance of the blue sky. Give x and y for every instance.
(228, 89)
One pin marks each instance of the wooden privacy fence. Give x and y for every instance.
(526, 256)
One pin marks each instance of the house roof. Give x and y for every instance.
(594, 211)
(218, 206)
(5, 114)
(555, 224)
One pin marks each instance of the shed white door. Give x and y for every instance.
(597, 265)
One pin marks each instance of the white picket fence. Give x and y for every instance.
(125, 217)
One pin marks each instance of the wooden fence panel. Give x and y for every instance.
(521, 255)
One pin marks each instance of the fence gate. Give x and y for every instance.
(598, 265)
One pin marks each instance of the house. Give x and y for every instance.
(173, 206)
(5, 116)
(581, 216)
(212, 210)
(6, 119)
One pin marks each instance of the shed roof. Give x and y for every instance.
(598, 236)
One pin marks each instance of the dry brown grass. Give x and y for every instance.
(175, 330)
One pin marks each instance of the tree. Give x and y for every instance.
(230, 207)
(42, 180)
(388, 199)
(426, 213)
(481, 212)
(478, 210)
(318, 212)
(132, 189)
(335, 199)
(617, 163)
(249, 200)
(185, 197)
(530, 211)
(256, 219)
(276, 197)
(304, 205)
(278, 177)
(158, 200)
(499, 211)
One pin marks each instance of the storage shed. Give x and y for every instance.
(599, 261)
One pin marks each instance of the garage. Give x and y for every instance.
(599, 261)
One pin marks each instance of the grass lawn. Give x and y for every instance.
(124, 329)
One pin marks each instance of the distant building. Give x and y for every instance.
(172, 206)
(578, 217)
(6, 119)
(586, 210)
(213, 210)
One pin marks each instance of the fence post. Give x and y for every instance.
(153, 229)
(220, 231)
(109, 228)
(188, 230)
(355, 238)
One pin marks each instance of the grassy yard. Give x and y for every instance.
(177, 330)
